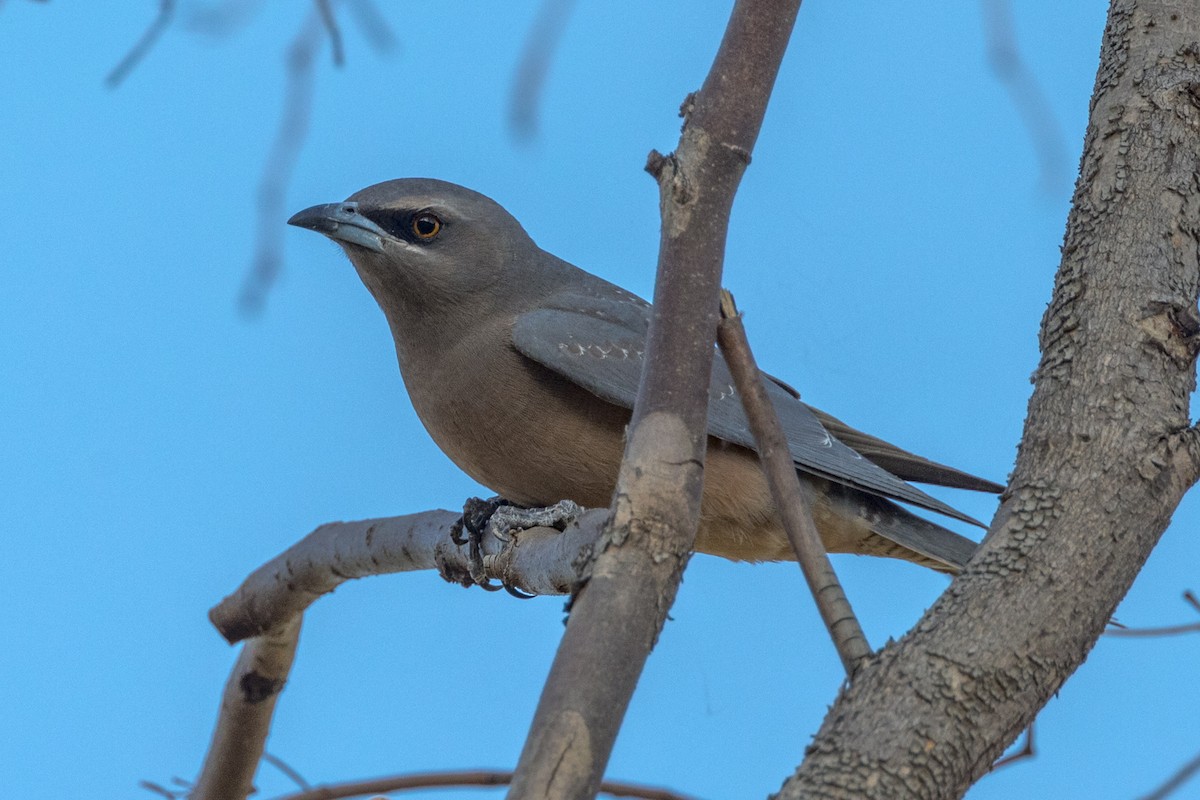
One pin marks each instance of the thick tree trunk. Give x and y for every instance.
(1106, 455)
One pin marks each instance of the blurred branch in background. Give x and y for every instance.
(220, 19)
(277, 172)
(166, 11)
(325, 11)
(530, 77)
(1181, 776)
(290, 138)
(1027, 95)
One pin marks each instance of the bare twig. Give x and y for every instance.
(1169, 630)
(163, 791)
(287, 769)
(166, 9)
(1124, 631)
(1182, 776)
(834, 607)
(325, 12)
(1027, 94)
(1025, 752)
(617, 615)
(427, 780)
(246, 710)
(530, 76)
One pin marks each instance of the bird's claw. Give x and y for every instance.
(509, 518)
(500, 518)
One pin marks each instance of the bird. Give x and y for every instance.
(524, 368)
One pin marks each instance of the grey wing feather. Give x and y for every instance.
(900, 462)
(599, 344)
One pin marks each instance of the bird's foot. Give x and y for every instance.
(507, 519)
(501, 518)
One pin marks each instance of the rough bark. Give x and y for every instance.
(1107, 452)
(618, 614)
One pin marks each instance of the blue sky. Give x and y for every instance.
(892, 247)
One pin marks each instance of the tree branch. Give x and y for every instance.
(1096, 478)
(538, 561)
(245, 719)
(780, 470)
(426, 780)
(617, 615)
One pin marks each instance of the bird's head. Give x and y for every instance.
(421, 245)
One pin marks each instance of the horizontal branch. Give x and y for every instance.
(537, 561)
(460, 778)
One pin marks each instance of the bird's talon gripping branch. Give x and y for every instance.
(507, 519)
(476, 513)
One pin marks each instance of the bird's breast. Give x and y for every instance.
(525, 432)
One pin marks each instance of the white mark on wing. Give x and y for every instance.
(725, 392)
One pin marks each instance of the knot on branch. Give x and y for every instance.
(1173, 329)
(452, 567)
(687, 107)
(257, 688)
(673, 183)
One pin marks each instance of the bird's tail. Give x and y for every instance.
(898, 533)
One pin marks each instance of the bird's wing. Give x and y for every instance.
(900, 462)
(600, 346)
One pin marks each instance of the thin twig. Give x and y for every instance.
(1025, 752)
(426, 780)
(166, 9)
(1190, 599)
(1027, 94)
(1182, 776)
(1125, 631)
(1169, 630)
(530, 77)
(286, 768)
(325, 11)
(780, 471)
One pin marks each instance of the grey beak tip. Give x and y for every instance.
(342, 223)
(315, 218)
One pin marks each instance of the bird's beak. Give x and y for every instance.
(342, 223)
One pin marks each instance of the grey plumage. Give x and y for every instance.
(523, 368)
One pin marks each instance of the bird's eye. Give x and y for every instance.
(425, 226)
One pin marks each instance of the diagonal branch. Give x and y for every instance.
(1097, 475)
(834, 607)
(166, 10)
